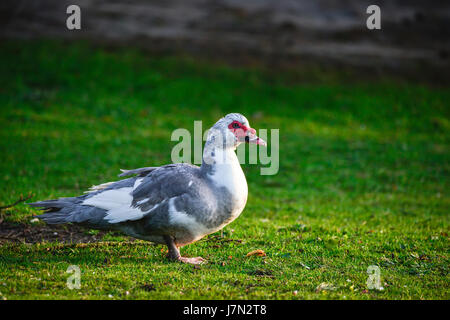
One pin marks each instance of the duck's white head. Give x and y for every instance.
(231, 130)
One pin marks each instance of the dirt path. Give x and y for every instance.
(26, 233)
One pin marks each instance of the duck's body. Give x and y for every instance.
(194, 202)
(176, 204)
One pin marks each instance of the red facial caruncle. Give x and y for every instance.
(244, 133)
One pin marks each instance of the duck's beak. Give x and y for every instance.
(252, 138)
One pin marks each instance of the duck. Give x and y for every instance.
(175, 204)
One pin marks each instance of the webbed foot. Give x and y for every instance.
(196, 260)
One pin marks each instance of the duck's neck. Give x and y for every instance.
(216, 158)
(222, 166)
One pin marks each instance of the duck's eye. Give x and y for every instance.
(236, 125)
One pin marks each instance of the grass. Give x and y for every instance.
(363, 179)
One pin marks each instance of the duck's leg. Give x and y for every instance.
(174, 253)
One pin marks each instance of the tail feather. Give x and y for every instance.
(65, 210)
(52, 205)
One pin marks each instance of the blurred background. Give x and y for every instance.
(413, 41)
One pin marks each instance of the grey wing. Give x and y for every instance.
(144, 196)
(163, 184)
(173, 195)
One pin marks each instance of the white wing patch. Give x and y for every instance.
(117, 202)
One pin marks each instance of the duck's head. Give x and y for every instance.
(232, 130)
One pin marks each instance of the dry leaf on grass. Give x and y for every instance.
(257, 252)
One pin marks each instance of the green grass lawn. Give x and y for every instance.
(363, 179)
